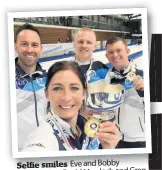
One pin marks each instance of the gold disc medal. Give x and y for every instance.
(91, 127)
(131, 76)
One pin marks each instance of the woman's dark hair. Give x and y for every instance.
(64, 65)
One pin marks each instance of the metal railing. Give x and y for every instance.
(73, 22)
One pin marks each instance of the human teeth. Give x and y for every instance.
(30, 56)
(66, 107)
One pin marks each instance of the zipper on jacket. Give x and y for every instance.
(141, 124)
(35, 101)
(119, 123)
(144, 111)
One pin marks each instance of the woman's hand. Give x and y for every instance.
(108, 135)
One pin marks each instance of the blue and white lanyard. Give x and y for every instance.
(62, 133)
(89, 71)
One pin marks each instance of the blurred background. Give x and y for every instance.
(57, 35)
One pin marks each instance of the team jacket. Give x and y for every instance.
(131, 114)
(95, 69)
(31, 101)
(55, 134)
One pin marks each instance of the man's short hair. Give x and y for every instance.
(115, 39)
(85, 29)
(26, 27)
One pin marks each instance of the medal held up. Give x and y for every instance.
(131, 75)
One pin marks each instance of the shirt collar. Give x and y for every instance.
(86, 62)
(83, 63)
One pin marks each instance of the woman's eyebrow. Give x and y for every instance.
(75, 84)
(58, 84)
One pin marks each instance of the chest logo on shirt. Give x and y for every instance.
(20, 83)
(90, 74)
(40, 82)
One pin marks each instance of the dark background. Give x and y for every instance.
(155, 159)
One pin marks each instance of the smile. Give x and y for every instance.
(29, 56)
(115, 60)
(66, 107)
(83, 50)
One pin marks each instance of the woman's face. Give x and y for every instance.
(65, 94)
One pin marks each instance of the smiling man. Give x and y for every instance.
(30, 81)
(93, 70)
(130, 116)
(84, 45)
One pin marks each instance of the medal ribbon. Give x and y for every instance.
(130, 68)
(62, 133)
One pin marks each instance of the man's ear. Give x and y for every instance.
(128, 50)
(41, 46)
(95, 46)
(74, 44)
(15, 47)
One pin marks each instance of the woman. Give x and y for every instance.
(63, 128)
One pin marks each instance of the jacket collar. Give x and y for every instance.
(21, 72)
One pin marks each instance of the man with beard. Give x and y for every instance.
(30, 80)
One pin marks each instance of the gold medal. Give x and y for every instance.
(131, 76)
(91, 127)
